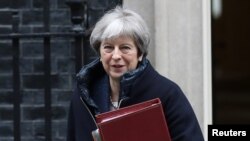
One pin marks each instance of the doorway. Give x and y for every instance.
(231, 61)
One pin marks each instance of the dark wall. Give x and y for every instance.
(231, 65)
(30, 16)
(32, 71)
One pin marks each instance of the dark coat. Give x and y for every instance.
(144, 83)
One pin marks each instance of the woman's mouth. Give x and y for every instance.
(117, 66)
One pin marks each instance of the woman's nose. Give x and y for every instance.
(116, 54)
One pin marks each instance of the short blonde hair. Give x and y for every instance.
(121, 22)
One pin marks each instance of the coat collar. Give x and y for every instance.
(94, 75)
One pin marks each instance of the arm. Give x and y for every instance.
(181, 119)
(71, 128)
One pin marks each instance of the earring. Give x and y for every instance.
(140, 59)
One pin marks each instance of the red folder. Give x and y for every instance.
(140, 122)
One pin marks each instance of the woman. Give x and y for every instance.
(122, 76)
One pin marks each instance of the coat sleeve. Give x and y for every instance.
(181, 119)
(70, 128)
(80, 121)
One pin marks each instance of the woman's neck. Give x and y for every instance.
(115, 89)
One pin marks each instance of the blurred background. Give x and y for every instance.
(231, 61)
(44, 43)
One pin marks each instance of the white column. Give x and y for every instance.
(146, 9)
(207, 65)
(181, 47)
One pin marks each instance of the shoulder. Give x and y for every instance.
(161, 82)
(152, 84)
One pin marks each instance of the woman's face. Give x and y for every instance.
(118, 56)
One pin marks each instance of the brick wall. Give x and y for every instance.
(31, 67)
(32, 71)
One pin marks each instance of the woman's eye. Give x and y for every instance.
(108, 49)
(125, 49)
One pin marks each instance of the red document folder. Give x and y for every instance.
(140, 122)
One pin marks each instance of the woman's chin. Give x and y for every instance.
(116, 75)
